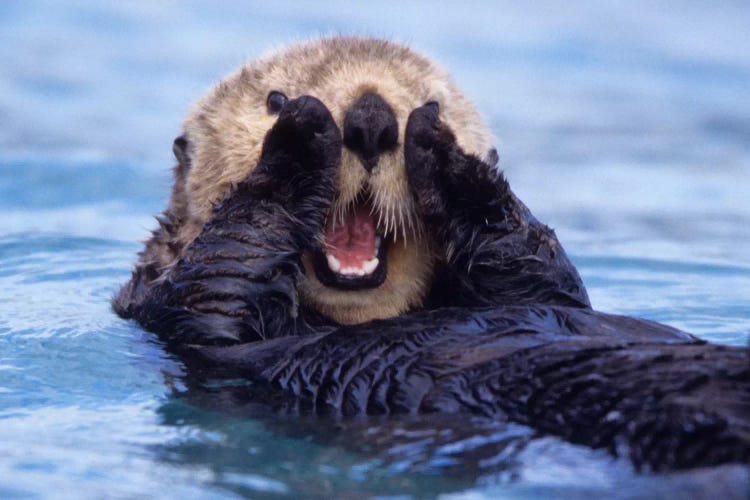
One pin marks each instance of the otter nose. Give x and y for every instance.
(370, 127)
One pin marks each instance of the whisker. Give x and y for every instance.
(403, 224)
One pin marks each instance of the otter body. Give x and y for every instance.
(339, 230)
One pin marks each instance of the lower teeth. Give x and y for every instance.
(370, 265)
(367, 267)
(333, 263)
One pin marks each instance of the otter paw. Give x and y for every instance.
(427, 144)
(304, 138)
(465, 181)
(300, 159)
(425, 130)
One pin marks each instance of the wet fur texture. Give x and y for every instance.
(495, 323)
(646, 392)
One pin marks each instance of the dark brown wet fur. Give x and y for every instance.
(644, 391)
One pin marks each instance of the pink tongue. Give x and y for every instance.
(351, 241)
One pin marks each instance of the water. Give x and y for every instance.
(625, 126)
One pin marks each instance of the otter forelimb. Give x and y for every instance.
(237, 282)
(495, 251)
(645, 391)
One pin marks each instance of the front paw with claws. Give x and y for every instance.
(424, 153)
(446, 181)
(301, 153)
(237, 281)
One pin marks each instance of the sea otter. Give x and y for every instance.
(339, 229)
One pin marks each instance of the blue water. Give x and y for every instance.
(625, 126)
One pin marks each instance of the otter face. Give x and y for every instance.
(373, 259)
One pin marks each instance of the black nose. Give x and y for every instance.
(370, 127)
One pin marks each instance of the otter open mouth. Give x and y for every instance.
(353, 255)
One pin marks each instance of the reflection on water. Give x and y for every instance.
(625, 126)
(247, 449)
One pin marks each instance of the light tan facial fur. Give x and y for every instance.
(226, 128)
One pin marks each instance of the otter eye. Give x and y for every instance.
(275, 102)
(433, 105)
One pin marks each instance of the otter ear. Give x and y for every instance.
(492, 157)
(180, 148)
(164, 246)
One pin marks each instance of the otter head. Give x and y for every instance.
(373, 260)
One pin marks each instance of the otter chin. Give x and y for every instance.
(361, 269)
